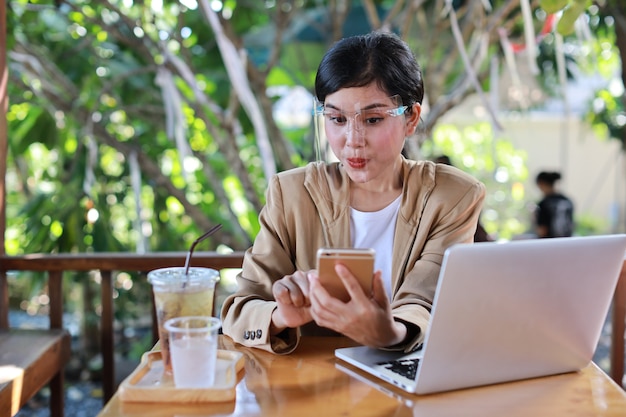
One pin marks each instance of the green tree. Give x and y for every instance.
(156, 119)
(606, 51)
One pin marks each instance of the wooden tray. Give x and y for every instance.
(148, 383)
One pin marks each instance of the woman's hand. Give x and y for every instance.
(292, 296)
(366, 318)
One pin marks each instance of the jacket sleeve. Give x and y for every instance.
(246, 314)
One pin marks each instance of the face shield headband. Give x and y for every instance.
(356, 123)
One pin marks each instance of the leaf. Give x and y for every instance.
(567, 22)
(553, 6)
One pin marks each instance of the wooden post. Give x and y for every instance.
(107, 332)
(4, 106)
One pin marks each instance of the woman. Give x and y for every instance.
(370, 91)
(554, 216)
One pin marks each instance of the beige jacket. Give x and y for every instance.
(307, 208)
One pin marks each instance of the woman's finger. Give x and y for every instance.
(378, 291)
(289, 292)
(350, 282)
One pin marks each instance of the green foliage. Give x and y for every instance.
(571, 9)
(587, 225)
(574, 9)
(598, 55)
(553, 6)
(495, 162)
(607, 114)
(110, 80)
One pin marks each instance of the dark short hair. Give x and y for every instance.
(377, 57)
(548, 177)
(443, 159)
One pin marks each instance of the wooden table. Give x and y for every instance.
(309, 382)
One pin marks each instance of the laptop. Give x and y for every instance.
(505, 312)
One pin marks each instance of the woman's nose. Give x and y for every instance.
(355, 133)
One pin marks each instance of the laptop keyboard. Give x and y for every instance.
(405, 367)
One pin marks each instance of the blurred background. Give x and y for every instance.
(136, 126)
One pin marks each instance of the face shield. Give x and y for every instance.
(354, 124)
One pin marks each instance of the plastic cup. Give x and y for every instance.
(193, 347)
(180, 295)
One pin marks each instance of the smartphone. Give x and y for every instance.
(359, 261)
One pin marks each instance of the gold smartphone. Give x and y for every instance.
(359, 261)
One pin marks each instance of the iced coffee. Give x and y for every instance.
(177, 294)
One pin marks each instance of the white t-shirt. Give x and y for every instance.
(376, 230)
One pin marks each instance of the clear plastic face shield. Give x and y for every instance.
(355, 125)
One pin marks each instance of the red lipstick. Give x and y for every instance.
(356, 163)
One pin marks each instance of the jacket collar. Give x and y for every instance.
(329, 187)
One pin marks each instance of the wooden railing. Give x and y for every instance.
(107, 264)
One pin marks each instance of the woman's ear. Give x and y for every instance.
(413, 119)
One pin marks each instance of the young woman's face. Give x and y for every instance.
(366, 130)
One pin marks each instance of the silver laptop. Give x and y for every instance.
(507, 311)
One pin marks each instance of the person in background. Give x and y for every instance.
(554, 215)
(369, 91)
(481, 234)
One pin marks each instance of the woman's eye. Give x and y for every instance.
(372, 120)
(367, 118)
(336, 118)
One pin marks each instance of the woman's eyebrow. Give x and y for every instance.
(368, 107)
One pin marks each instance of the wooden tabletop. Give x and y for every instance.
(311, 382)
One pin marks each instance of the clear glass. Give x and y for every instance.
(361, 120)
(178, 295)
(193, 347)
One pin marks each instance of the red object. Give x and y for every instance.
(548, 25)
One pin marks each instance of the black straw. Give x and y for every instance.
(198, 240)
